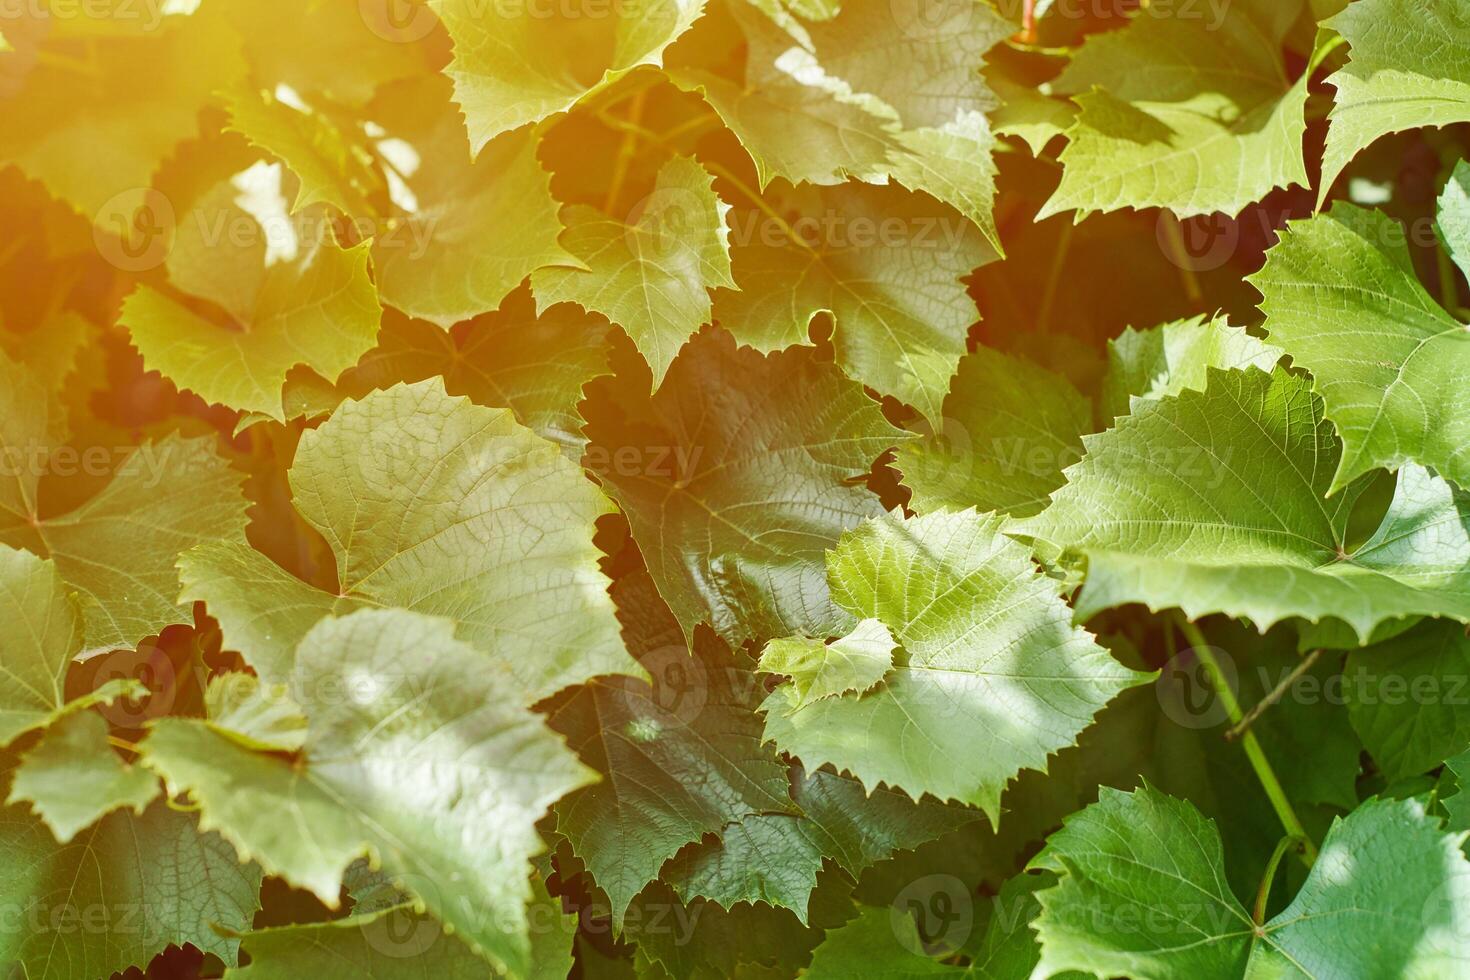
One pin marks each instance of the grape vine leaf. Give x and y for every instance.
(341, 52)
(732, 494)
(397, 943)
(1166, 359)
(790, 125)
(993, 677)
(1010, 428)
(317, 308)
(414, 744)
(72, 777)
(156, 84)
(885, 263)
(671, 773)
(651, 274)
(890, 943)
(472, 231)
(152, 880)
(880, 90)
(855, 662)
(509, 358)
(258, 716)
(118, 548)
(514, 66)
(1028, 114)
(329, 169)
(1408, 700)
(46, 633)
(1194, 114)
(404, 168)
(1454, 216)
(1340, 295)
(883, 944)
(776, 857)
(1386, 896)
(438, 505)
(1404, 71)
(920, 59)
(1215, 501)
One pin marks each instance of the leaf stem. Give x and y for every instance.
(1248, 741)
(1180, 258)
(717, 169)
(1054, 277)
(625, 153)
(1235, 731)
(1263, 891)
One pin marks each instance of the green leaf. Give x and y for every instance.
(1191, 113)
(736, 476)
(672, 771)
(474, 230)
(260, 717)
(1028, 114)
(399, 944)
(651, 273)
(47, 627)
(1132, 858)
(855, 663)
(993, 680)
(1457, 804)
(776, 857)
(1215, 501)
(415, 747)
(1409, 698)
(510, 358)
(881, 89)
(73, 777)
(1386, 897)
(138, 96)
(883, 944)
(1340, 295)
(1009, 430)
(1404, 70)
(118, 548)
(118, 894)
(319, 310)
(920, 59)
(514, 66)
(885, 264)
(791, 128)
(438, 505)
(317, 150)
(401, 169)
(1454, 216)
(1166, 359)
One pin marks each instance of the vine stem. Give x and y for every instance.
(1301, 668)
(1263, 891)
(664, 142)
(1249, 742)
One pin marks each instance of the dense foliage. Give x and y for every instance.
(734, 488)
